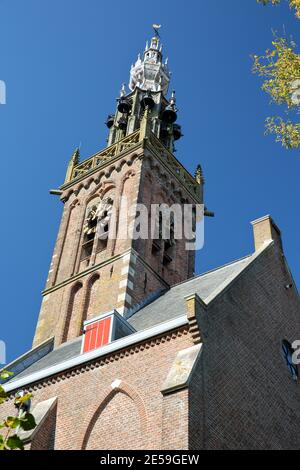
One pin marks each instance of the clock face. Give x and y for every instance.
(288, 352)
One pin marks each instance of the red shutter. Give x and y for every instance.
(97, 334)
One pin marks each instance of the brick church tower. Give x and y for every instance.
(131, 349)
(93, 272)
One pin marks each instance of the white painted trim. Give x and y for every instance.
(261, 219)
(96, 353)
(121, 310)
(112, 326)
(98, 317)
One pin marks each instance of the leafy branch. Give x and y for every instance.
(280, 69)
(9, 439)
(295, 4)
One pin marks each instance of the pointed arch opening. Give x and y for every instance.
(73, 311)
(92, 299)
(119, 405)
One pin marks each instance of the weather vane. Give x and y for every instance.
(156, 27)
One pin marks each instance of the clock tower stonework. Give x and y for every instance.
(98, 264)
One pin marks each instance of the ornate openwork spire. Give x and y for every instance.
(146, 106)
(150, 73)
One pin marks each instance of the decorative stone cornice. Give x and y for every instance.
(177, 169)
(96, 267)
(103, 158)
(132, 143)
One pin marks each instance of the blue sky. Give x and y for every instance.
(63, 62)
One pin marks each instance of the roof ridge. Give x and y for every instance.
(211, 271)
(232, 278)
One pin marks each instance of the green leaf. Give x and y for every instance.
(20, 400)
(12, 422)
(5, 374)
(14, 442)
(27, 422)
(2, 443)
(3, 394)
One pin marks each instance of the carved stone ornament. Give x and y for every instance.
(98, 218)
(90, 224)
(104, 214)
(149, 72)
(199, 175)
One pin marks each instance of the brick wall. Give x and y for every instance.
(175, 421)
(44, 437)
(249, 398)
(240, 395)
(116, 402)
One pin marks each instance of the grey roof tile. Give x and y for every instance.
(62, 353)
(167, 306)
(171, 304)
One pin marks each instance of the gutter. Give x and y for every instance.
(103, 351)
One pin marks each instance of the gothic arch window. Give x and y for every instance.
(91, 300)
(164, 240)
(90, 228)
(122, 404)
(96, 225)
(126, 188)
(170, 240)
(288, 352)
(64, 266)
(156, 225)
(123, 218)
(73, 310)
(104, 215)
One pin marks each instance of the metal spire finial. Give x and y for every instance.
(156, 27)
(149, 71)
(123, 90)
(173, 98)
(199, 175)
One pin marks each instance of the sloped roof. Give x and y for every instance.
(62, 353)
(169, 305)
